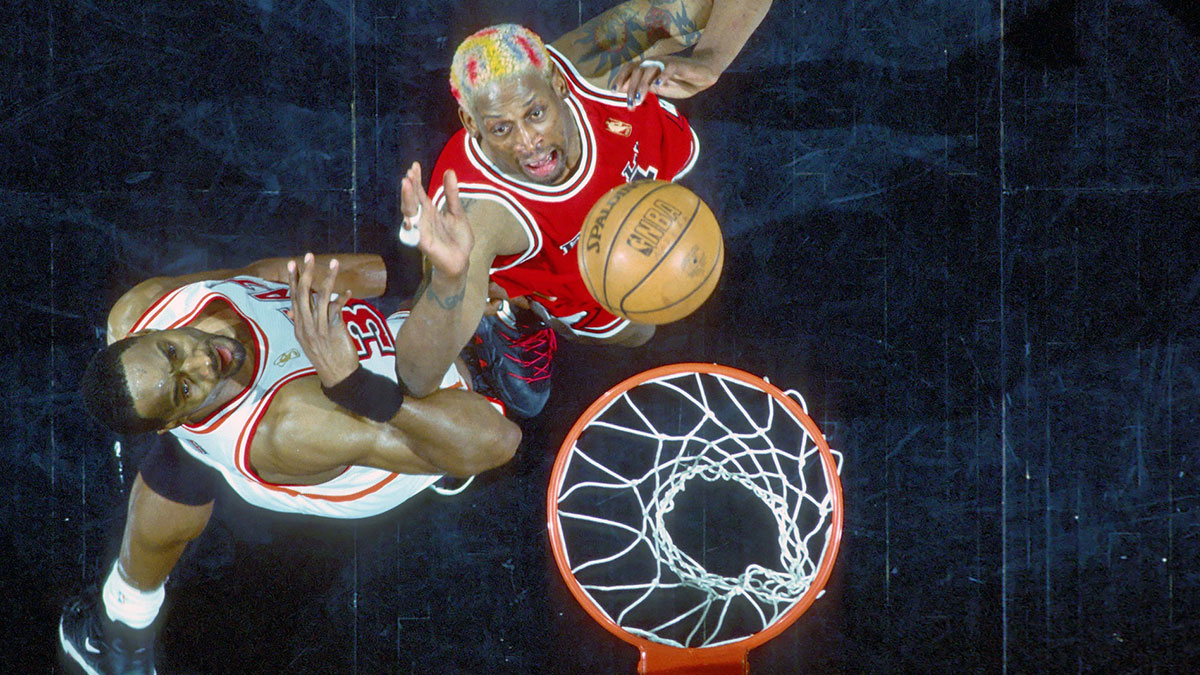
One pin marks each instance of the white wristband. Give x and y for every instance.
(652, 63)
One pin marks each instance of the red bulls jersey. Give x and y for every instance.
(223, 439)
(619, 145)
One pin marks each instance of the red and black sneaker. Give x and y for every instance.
(514, 356)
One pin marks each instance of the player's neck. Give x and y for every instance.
(220, 319)
(574, 148)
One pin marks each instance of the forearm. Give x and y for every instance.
(363, 274)
(304, 435)
(727, 28)
(458, 431)
(620, 34)
(445, 315)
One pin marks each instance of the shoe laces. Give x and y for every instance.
(538, 347)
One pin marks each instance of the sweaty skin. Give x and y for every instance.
(177, 374)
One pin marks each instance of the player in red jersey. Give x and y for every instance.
(546, 132)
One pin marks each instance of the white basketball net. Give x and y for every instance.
(622, 484)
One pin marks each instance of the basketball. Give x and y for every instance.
(651, 251)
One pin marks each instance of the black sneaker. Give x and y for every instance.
(514, 356)
(101, 646)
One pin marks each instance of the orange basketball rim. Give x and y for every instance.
(611, 509)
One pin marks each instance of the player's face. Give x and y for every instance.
(524, 126)
(183, 373)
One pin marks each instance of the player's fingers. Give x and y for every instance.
(408, 199)
(302, 299)
(306, 282)
(639, 84)
(335, 309)
(644, 87)
(662, 77)
(453, 203)
(414, 172)
(685, 79)
(325, 315)
(427, 210)
(631, 88)
(621, 81)
(652, 76)
(416, 189)
(294, 290)
(410, 214)
(676, 86)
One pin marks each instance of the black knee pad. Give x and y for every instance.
(171, 472)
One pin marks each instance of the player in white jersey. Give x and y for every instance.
(223, 438)
(245, 370)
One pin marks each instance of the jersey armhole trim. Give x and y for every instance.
(524, 218)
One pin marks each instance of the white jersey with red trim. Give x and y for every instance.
(618, 145)
(222, 440)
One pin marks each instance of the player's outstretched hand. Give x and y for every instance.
(318, 319)
(666, 76)
(446, 237)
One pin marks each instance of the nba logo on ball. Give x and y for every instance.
(652, 251)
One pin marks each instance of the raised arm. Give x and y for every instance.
(304, 437)
(363, 274)
(459, 244)
(609, 49)
(450, 431)
(729, 24)
(630, 30)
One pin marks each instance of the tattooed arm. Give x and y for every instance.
(459, 244)
(601, 46)
(607, 49)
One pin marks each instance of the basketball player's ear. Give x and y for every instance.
(171, 424)
(559, 83)
(468, 122)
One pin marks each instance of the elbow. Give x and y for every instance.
(507, 442)
(491, 449)
(501, 444)
(421, 389)
(412, 379)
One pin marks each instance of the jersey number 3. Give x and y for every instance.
(368, 330)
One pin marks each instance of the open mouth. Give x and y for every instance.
(544, 166)
(229, 356)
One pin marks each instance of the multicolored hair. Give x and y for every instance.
(495, 53)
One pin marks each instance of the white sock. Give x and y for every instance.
(129, 605)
